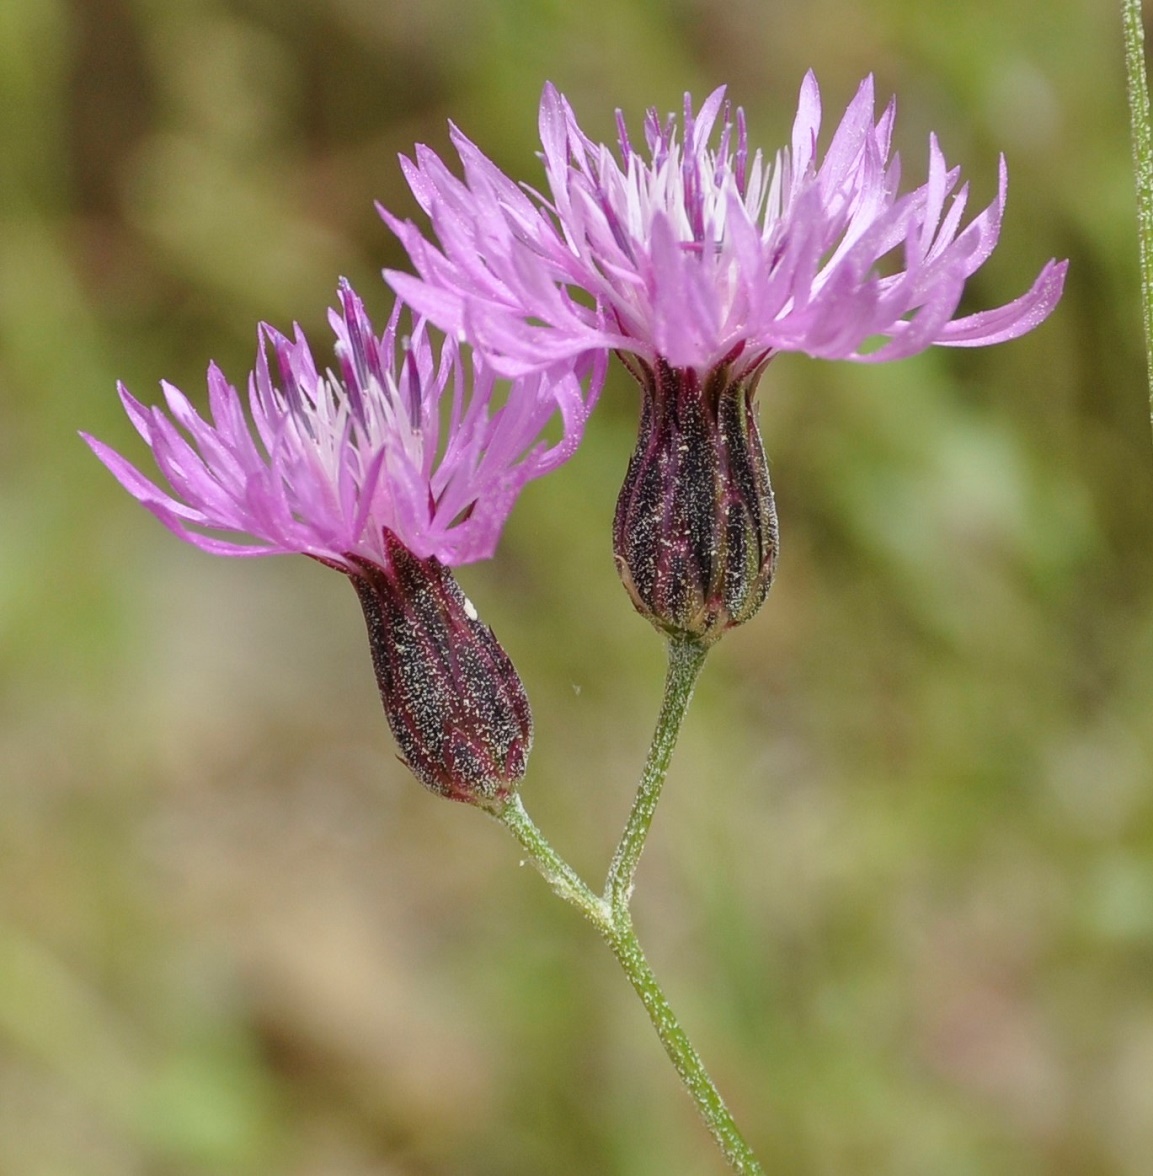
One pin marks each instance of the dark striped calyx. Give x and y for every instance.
(695, 532)
(453, 698)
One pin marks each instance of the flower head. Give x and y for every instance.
(400, 438)
(697, 262)
(393, 468)
(696, 252)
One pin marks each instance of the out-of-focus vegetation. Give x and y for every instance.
(901, 885)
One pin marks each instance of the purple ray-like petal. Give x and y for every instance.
(324, 464)
(689, 252)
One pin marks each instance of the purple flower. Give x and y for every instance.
(393, 469)
(697, 254)
(399, 438)
(697, 263)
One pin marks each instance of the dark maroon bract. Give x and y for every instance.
(695, 531)
(453, 699)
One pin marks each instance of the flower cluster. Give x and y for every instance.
(694, 260)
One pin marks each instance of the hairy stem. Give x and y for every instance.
(685, 1059)
(686, 658)
(1142, 137)
(566, 883)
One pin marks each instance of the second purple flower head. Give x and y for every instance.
(698, 261)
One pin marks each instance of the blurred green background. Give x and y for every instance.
(901, 884)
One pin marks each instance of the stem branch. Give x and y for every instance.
(566, 883)
(610, 913)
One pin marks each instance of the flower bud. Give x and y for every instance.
(453, 699)
(695, 532)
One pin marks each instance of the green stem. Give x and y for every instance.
(566, 883)
(610, 915)
(616, 928)
(686, 658)
(1142, 136)
(685, 1059)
